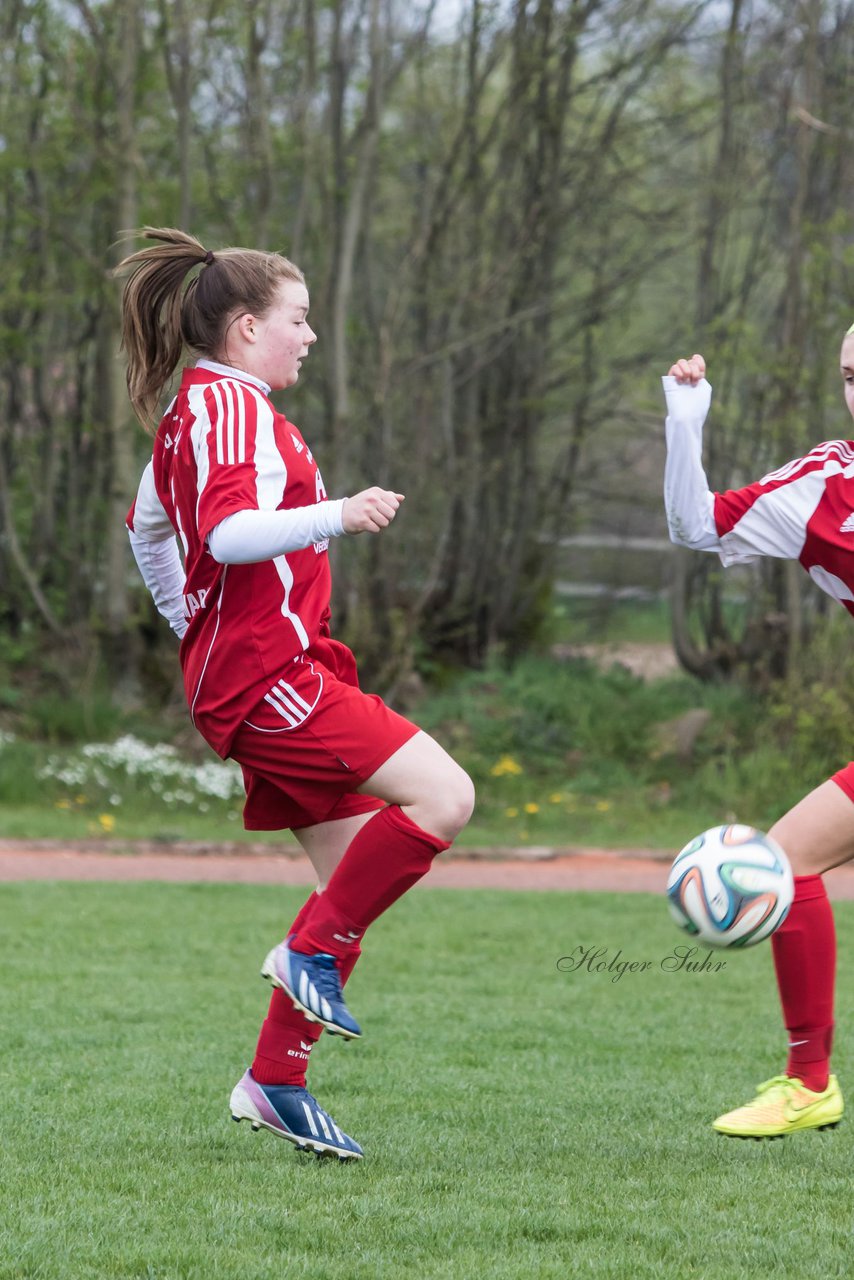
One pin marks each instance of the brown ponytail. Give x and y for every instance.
(161, 314)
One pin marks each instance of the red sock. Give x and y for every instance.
(287, 1037)
(387, 856)
(805, 960)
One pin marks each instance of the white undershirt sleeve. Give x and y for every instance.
(688, 502)
(163, 574)
(247, 537)
(150, 520)
(155, 550)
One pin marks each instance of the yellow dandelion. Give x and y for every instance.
(555, 798)
(107, 821)
(602, 806)
(511, 813)
(63, 804)
(530, 807)
(505, 765)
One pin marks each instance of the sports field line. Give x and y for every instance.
(536, 869)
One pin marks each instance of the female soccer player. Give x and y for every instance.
(370, 798)
(804, 511)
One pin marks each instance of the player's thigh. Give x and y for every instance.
(421, 777)
(326, 842)
(818, 833)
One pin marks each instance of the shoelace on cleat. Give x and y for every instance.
(775, 1081)
(328, 979)
(784, 1083)
(304, 1095)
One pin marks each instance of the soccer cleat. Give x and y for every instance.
(314, 985)
(291, 1112)
(784, 1105)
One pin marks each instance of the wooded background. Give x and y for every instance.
(511, 216)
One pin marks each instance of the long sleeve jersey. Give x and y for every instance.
(802, 511)
(222, 454)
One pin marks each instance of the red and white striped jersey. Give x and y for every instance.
(802, 511)
(221, 448)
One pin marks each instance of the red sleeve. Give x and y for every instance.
(734, 503)
(771, 516)
(235, 453)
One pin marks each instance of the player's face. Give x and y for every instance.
(283, 337)
(846, 361)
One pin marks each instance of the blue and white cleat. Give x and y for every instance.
(291, 1112)
(314, 984)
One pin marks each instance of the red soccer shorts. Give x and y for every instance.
(845, 779)
(312, 740)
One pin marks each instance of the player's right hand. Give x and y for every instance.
(693, 370)
(370, 511)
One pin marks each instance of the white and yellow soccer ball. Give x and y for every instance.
(730, 887)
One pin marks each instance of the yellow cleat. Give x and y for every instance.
(784, 1105)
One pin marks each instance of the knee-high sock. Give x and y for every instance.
(805, 960)
(386, 857)
(287, 1037)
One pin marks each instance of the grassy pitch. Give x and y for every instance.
(520, 1118)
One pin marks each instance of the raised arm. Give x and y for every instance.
(689, 503)
(769, 517)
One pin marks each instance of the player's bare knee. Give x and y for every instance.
(463, 802)
(452, 805)
(804, 859)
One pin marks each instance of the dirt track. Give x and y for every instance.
(635, 871)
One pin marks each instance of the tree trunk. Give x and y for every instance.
(120, 654)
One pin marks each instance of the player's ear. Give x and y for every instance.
(246, 327)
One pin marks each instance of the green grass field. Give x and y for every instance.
(518, 1121)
